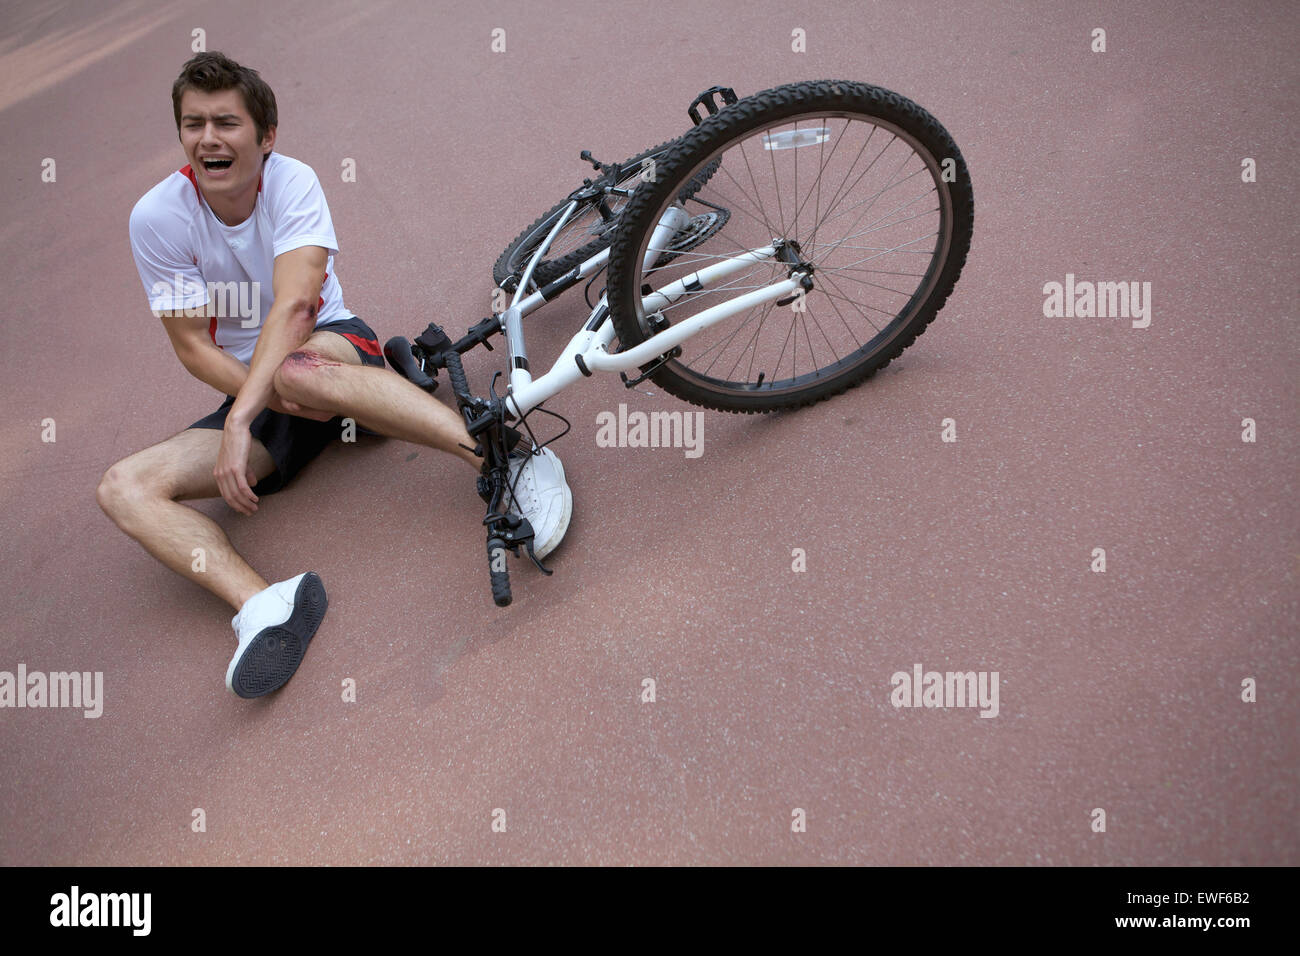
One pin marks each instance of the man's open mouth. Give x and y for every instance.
(212, 165)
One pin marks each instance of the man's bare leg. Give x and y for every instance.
(326, 374)
(141, 493)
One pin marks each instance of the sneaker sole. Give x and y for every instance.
(274, 655)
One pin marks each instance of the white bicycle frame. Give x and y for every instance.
(587, 352)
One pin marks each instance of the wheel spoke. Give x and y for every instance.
(835, 196)
(730, 338)
(870, 200)
(829, 344)
(874, 285)
(812, 238)
(854, 302)
(762, 213)
(847, 328)
(883, 252)
(880, 223)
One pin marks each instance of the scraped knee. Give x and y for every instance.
(298, 369)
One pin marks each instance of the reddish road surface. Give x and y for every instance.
(1119, 690)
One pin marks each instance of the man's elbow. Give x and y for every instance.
(299, 313)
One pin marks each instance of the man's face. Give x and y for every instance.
(221, 144)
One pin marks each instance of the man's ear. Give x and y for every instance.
(268, 141)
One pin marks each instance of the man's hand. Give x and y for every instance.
(234, 477)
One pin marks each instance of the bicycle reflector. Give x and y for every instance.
(794, 138)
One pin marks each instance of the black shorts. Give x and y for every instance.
(294, 441)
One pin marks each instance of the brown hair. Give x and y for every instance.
(213, 72)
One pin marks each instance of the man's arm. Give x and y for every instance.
(193, 346)
(214, 366)
(296, 281)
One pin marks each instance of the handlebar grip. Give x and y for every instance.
(456, 372)
(496, 549)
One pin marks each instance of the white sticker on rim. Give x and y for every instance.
(794, 138)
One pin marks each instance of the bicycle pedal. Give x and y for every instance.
(706, 100)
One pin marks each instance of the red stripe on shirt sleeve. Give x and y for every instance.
(188, 172)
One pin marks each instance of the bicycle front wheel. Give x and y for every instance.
(855, 191)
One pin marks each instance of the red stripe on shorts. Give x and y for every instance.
(366, 345)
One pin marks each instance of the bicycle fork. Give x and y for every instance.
(485, 422)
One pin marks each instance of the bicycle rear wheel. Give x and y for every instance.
(858, 188)
(589, 230)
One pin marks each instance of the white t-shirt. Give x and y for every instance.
(187, 257)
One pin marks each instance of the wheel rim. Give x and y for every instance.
(837, 182)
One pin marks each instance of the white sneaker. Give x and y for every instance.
(274, 628)
(543, 497)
